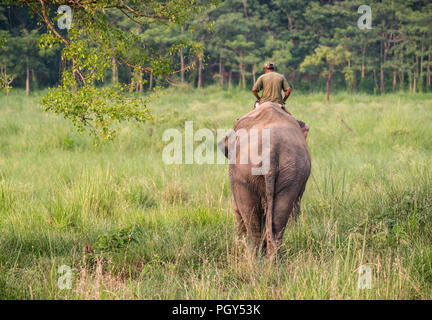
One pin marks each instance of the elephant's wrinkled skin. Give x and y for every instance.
(263, 203)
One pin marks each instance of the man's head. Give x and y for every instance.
(269, 66)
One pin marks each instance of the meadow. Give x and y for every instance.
(131, 227)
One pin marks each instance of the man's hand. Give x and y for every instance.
(256, 94)
(287, 94)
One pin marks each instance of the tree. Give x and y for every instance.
(327, 61)
(7, 62)
(279, 52)
(129, 44)
(88, 48)
(416, 43)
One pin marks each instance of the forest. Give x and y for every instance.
(313, 43)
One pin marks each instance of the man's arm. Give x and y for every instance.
(255, 93)
(287, 94)
(256, 88)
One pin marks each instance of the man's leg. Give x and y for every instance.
(284, 109)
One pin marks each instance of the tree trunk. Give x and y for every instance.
(293, 79)
(394, 80)
(363, 62)
(428, 70)
(328, 88)
(199, 85)
(421, 61)
(253, 72)
(75, 77)
(33, 76)
(114, 71)
(27, 76)
(414, 84)
(410, 81)
(421, 69)
(229, 79)
(243, 77)
(375, 79)
(347, 82)
(133, 84)
(151, 81)
(242, 72)
(401, 80)
(221, 73)
(381, 69)
(182, 72)
(355, 82)
(290, 23)
(416, 74)
(387, 46)
(245, 8)
(137, 82)
(200, 66)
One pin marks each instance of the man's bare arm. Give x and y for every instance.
(256, 94)
(287, 94)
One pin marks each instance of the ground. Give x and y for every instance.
(131, 227)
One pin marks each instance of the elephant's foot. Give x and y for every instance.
(271, 247)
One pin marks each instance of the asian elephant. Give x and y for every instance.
(267, 191)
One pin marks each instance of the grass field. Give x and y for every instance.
(131, 227)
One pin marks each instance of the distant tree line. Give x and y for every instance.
(317, 44)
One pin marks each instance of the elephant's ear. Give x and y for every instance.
(301, 124)
(223, 143)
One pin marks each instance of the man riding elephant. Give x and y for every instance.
(267, 175)
(272, 84)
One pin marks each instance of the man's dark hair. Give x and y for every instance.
(301, 124)
(269, 65)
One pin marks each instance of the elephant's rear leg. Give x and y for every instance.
(248, 213)
(284, 203)
(240, 225)
(297, 203)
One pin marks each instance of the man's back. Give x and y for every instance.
(271, 84)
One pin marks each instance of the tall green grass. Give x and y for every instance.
(132, 227)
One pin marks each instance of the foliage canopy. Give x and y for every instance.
(89, 46)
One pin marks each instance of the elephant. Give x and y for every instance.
(263, 201)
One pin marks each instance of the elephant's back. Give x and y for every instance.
(289, 153)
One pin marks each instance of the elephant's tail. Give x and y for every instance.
(270, 190)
